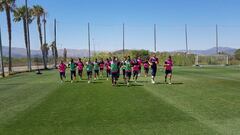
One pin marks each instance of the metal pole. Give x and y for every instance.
(89, 42)
(217, 51)
(94, 49)
(123, 39)
(155, 38)
(28, 39)
(186, 35)
(1, 55)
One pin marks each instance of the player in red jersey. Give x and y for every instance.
(140, 65)
(168, 69)
(101, 64)
(146, 68)
(136, 69)
(108, 68)
(62, 71)
(80, 67)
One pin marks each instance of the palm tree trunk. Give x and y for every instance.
(1, 55)
(41, 41)
(29, 47)
(26, 41)
(9, 38)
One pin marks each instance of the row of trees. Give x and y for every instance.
(26, 15)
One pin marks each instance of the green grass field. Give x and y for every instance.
(201, 101)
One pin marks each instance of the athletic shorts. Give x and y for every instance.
(128, 74)
(73, 73)
(167, 72)
(96, 71)
(80, 72)
(101, 69)
(62, 74)
(154, 71)
(146, 70)
(108, 71)
(89, 73)
(124, 72)
(135, 73)
(114, 74)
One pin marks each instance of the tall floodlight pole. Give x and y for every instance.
(186, 35)
(94, 47)
(55, 43)
(123, 39)
(1, 54)
(217, 51)
(28, 38)
(89, 42)
(155, 38)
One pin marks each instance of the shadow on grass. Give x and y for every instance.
(143, 81)
(12, 84)
(130, 85)
(179, 83)
(96, 82)
(176, 83)
(84, 81)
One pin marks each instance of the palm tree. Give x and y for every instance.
(38, 13)
(20, 15)
(8, 5)
(1, 54)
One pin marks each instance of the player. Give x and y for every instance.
(168, 69)
(96, 69)
(123, 66)
(153, 61)
(72, 65)
(62, 70)
(128, 69)
(136, 69)
(101, 64)
(146, 68)
(114, 71)
(108, 67)
(140, 65)
(89, 68)
(80, 67)
(119, 67)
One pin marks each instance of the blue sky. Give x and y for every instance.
(106, 18)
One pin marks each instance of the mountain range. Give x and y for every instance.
(21, 52)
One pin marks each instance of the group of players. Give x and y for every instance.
(114, 67)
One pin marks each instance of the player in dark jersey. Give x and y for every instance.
(153, 61)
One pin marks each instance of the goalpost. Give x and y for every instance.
(211, 60)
